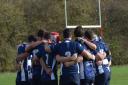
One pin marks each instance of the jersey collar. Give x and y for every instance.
(67, 39)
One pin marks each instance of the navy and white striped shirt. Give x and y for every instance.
(49, 59)
(22, 75)
(68, 48)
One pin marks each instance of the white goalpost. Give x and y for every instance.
(84, 26)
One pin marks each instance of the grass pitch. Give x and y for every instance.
(119, 76)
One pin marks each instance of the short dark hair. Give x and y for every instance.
(78, 32)
(41, 33)
(67, 33)
(31, 38)
(47, 35)
(88, 34)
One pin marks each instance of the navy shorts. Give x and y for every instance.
(86, 82)
(23, 83)
(100, 79)
(70, 80)
(36, 80)
(82, 81)
(49, 82)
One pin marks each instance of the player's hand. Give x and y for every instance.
(44, 41)
(84, 39)
(93, 57)
(79, 59)
(66, 64)
(18, 67)
(49, 71)
(99, 63)
(73, 57)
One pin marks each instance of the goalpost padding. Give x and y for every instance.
(84, 26)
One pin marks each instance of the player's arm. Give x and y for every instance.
(39, 55)
(90, 44)
(80, 59)
(22, 56)
(33, 45)
(18, 66)
(25, 54)
(19, 58)
(47, 48)
(35, 59)
(100, 56)
(87, 54)
(109, 58)
(45, 67)
(65, 59)
(70, 63)
(62, 59)
(99, 63)
(110, 63)
(28, 49)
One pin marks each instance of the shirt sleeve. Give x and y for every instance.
(109, 58)
(79, 48)
(21, 49)
(52, 47)
(40, 52)
(94, 52)
(56, 51)
(97, 49)
(106, 48)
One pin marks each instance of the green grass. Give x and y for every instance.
(119, 76)
(7, 78)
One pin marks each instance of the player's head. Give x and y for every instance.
(31, 38)
(101, 39)
(40, 34)
(47, 36)
(55, 37)
(78, 32)
(67, 33)
(95, 37)
(88, 34)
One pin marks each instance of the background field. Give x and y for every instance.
(20, 18)
(119, 76)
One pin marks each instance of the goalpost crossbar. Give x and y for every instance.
(84, 26)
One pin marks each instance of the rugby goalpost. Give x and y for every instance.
(83, 26)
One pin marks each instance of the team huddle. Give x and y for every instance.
(81, 58)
